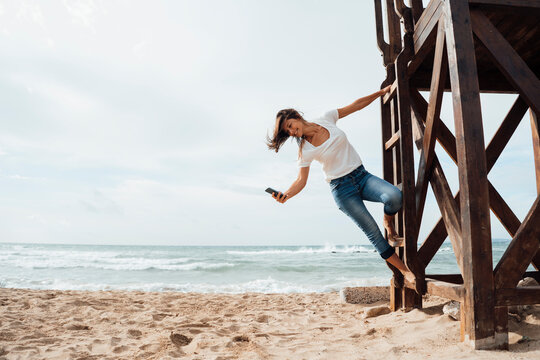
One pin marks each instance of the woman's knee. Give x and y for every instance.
(392, 201)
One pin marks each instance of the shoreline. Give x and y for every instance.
(113, 324)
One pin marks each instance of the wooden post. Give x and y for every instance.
(411, 298)
(479, 302)
(535, 129)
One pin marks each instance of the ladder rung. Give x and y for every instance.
(392, 92)
(393, 140)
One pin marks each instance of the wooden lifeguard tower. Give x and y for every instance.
(464, 47)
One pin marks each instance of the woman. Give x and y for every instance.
(320, 139)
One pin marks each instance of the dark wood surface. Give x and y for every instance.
(438, 80)
(521, 250)
(445, 289)
(518, 25)
(508, 61)
(518, 296)
(477, 273)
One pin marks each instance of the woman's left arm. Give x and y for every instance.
(361, 103)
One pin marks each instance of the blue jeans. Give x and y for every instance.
(351, 190)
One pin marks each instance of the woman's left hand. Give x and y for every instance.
(280, 197)
(386, 90)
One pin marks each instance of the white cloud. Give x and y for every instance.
(133, 121)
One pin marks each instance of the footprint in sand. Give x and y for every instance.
(179, 339)
(134, 333)
(240, 338)
(120, 349)
(159, 317)
(371, 331)
(78, 327)
(262, 318)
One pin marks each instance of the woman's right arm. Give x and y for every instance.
(296, 186)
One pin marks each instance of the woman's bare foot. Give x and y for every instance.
(409, 277)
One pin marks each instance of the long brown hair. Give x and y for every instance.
(280, 135)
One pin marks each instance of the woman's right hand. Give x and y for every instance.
(280, 197)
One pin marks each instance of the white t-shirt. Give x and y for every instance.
(336, 154)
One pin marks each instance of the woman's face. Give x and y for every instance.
(293, 127)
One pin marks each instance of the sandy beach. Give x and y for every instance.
(49, 324)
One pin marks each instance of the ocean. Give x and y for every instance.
(206, 269)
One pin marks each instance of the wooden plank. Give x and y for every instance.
(390, 94)
(535, 130)
(422, 51)
(521, 250)
(443, 194)
(534, 4)
(407, 165)
(478, 302)
(444, 289)
(505, 132)
(447, 140)
(449, 278)
(507, 60)
(386, 132)
(392, 141)
(519, 296)
(503, 212)
(394, 31)
(536, 147)
(411, 298)
(427, 25)
(438, 81)
(501, 327)
(379, 28)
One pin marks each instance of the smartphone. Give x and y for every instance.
(272, 191)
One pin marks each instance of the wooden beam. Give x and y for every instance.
(388, 166)
(535, 130)
(501, 327)
(536, 147)
(521, 250)
(447, 140)
(392, 141)
(535, 4)
(391, 93)
(421, 52)
(449, 278)
(518, 296)
(505, 132)
(410, 229)
(427, 24)
(507, 59)
(394, 31)
(478, 301)
(379, 28)
(407, 163)
(444, 289)
(503, 212)
(443, 194)
(438, 80)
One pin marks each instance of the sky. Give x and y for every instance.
(144, 123)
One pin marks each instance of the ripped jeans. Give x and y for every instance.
(350, 191)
